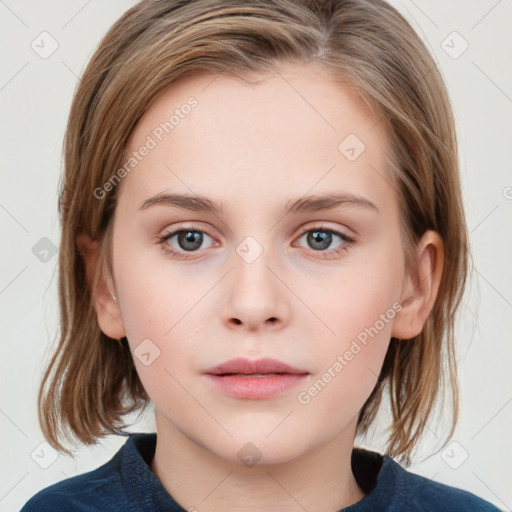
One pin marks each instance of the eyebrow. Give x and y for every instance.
(304, 204)
(187, 202)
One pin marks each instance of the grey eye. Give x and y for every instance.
(190, 240)
(322, 239)
(319, 240)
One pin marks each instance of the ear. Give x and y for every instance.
(420, 289)
(107, 310)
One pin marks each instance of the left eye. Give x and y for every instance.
(321, 239)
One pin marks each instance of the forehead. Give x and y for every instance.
(294, 129)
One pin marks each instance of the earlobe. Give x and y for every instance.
(420, 288)
(107, 310)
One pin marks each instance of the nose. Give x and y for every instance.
(256, 299)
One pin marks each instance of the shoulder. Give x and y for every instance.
(389, 486)
(87, 492)
(98, 490)
(422, 494)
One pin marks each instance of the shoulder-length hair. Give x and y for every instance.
(91, 381)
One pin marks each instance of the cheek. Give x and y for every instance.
(350, 369)
(156, 302)
(357, 309)
(366, 296)
(162, 316)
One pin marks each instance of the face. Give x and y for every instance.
(292, 254)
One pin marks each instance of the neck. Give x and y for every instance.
(198, 479)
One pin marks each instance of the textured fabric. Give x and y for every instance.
(126, 483)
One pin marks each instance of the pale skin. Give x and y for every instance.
(255, 149)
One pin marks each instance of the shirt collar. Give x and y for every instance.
(378, 476)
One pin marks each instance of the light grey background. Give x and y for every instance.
(35, 96)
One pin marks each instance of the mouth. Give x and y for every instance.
(266, 366)
(254, 379)
(249, 374)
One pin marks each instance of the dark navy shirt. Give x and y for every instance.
(126, 483)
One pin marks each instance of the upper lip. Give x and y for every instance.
(257, 366)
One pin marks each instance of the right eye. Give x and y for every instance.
(179, 242)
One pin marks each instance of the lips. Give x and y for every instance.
(257, 367)
(254, 379)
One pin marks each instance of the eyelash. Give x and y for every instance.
(347, 241)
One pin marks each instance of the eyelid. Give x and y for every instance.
(192, 226)
(324, 226)
(341, 231)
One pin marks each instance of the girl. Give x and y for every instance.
(263, 236)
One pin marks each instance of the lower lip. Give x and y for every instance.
(255, 388)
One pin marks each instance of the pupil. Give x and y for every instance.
(190, 240)
(319, 237)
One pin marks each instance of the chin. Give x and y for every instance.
(258, 448)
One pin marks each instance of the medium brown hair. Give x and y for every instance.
(91, 381)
